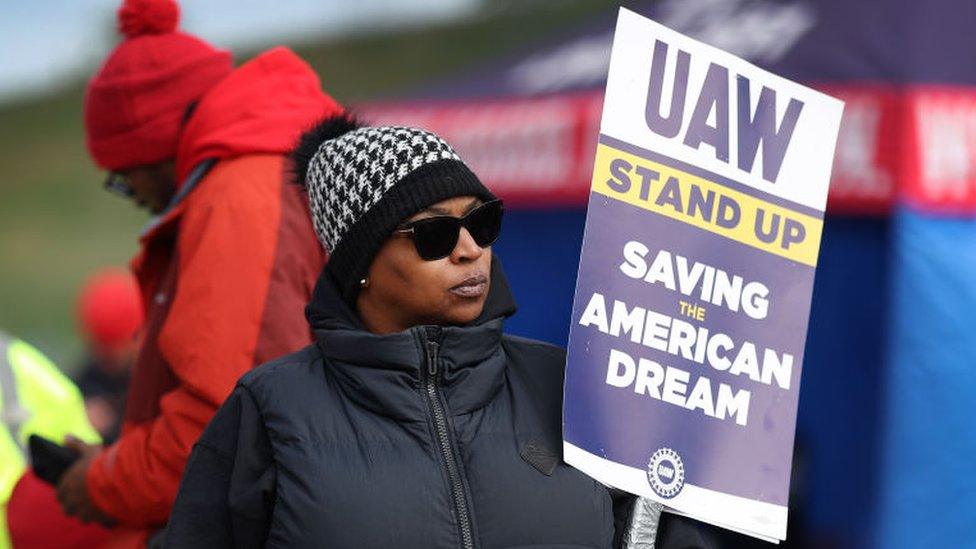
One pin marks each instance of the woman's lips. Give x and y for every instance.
(475, 286)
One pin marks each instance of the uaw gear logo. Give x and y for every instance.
(666, 473)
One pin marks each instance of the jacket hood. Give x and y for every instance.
(260, 108)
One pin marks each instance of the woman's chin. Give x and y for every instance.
(464, 313)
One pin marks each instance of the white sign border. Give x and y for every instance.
(766, 521)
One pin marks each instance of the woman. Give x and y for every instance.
(413, 421)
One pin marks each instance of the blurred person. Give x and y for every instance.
(226, 266)
(35, 398)
(109, 317)
(414, 421)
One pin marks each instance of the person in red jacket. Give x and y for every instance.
(229, 263)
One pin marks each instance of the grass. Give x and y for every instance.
(57, 225)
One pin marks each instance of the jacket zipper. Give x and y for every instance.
(444, 441)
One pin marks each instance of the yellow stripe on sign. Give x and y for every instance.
(708, 205)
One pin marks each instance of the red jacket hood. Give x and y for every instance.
(260, 108)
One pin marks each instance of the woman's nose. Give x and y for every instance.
(466, 248)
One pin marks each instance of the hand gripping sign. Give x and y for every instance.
(693, 296)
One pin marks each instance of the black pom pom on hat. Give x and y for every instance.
(310, 141)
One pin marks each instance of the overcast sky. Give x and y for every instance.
(45, 41)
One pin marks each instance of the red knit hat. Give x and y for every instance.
(135, 103)
(109, 309)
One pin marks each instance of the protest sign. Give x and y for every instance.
(693, 296)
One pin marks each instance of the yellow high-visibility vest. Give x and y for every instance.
(35, 398)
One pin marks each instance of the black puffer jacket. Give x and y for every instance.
(433, 437)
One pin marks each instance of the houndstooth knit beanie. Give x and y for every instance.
(363, 182)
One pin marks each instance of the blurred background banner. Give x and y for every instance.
(885, 447)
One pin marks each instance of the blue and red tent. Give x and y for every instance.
(888, 450)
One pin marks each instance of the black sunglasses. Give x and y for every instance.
(436, 237)
(117, 183)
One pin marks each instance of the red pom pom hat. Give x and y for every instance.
(135, 103)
